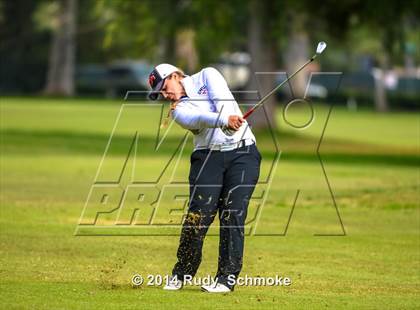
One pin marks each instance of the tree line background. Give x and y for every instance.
(43, 41)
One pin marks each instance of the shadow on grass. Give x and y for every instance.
(293, 147)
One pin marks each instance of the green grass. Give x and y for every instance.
(50, 153)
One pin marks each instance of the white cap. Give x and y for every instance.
(157, 78)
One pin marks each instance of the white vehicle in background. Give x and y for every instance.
(235, 69)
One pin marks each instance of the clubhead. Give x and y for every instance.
(321, 47)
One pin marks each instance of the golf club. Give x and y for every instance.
(319, 49)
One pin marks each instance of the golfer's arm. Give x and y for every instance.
(191, 119)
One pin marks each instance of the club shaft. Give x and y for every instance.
(261, 102)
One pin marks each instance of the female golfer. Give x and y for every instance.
(225, 166)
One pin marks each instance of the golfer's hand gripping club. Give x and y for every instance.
(234, 124)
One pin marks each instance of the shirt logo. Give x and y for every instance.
(202, 90)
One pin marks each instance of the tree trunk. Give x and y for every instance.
(380, 90)
(380, 97)
(60, 79)
(262, 54)
(297, 53)
(186, 53)
(166, 48)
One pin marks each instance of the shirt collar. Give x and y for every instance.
(188, 84)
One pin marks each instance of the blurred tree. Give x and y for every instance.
(143, 29)
(262, 48)
(220, 26)
(297, 50)
(90, 33)
(23, 47)
(193, 33)
(183, 32)
(60, 79)
(186, 53)
(288, 26)
(374, 27)
(387, 21)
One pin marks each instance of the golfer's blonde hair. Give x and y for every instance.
(179, 72)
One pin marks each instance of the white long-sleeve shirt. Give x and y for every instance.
(207, 107)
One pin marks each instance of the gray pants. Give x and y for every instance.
(224, 182)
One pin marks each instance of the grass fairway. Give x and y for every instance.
(50, 153)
